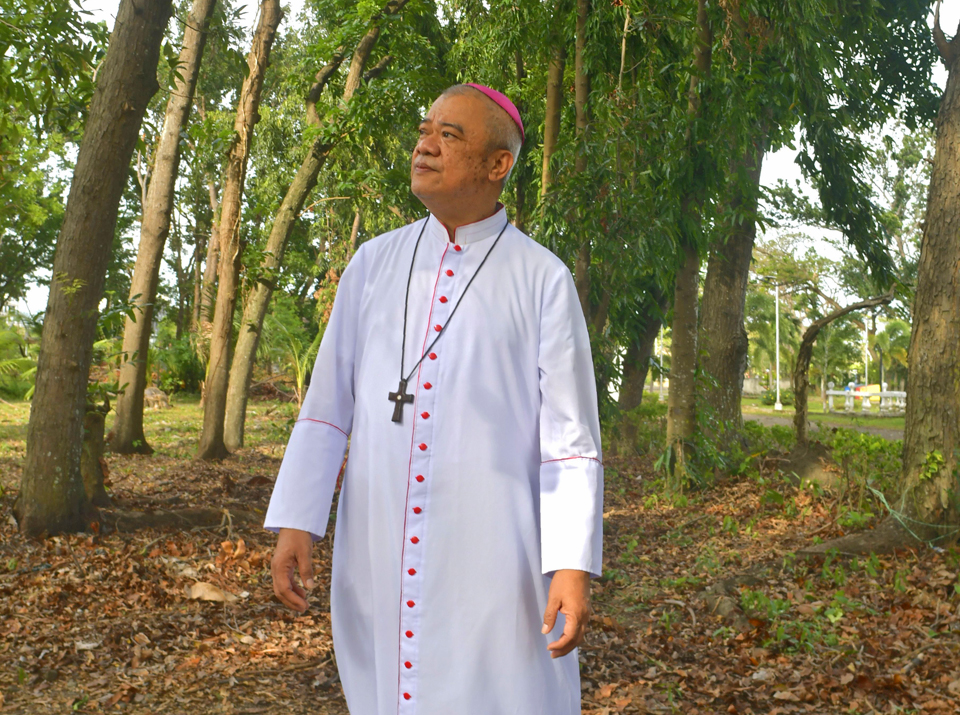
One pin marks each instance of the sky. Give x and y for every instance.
(779, 165)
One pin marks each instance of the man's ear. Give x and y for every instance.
(502, 163)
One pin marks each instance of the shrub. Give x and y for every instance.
(769, 397)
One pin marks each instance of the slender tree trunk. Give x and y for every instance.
(723, 337)
(681, 403)
(258, 299)
(215, 398)
(636, 361)
(581, 271)
(128, 436)
(551, 122)
(198, 250)
(801, 370)
(932, 430)
(209, 285)
(355, 233)
(52, 496)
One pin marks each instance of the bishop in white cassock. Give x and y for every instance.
(470, 513)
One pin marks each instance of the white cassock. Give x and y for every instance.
(451, 523)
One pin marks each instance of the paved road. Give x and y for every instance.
(770, 420)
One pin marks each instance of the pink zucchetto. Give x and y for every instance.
(503, 101)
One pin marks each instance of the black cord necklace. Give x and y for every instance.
(400, 397)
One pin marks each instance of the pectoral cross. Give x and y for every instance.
(400, 397)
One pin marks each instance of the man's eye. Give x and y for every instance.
(446, 135)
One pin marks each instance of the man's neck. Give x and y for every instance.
(452, 223)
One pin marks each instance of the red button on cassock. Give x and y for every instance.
(408, 665)
(449, 273)
(412, 572)
(410, 604)
(414, 540)
(425, 415)
(433, 356)
(409, 634)
(417, 510)
(406, 696)
(443, 299)
(423, 447)
(438, 328)
(419, 477)
(458, 248)
(427, 386)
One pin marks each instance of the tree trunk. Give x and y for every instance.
(198, 250)
(581, 269)
(215, 394)
(258, 300)
(128, 436)
(92, 464)
(208, 288)
(355, 233)
(681, 402)
(930, 444)
(551, 122)
(52, 496)
(801, 369)
(723, 337)
(636, 362)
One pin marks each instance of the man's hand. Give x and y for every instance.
(570, 595)
(294, 552)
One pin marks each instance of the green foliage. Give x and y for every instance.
(869, 473)
(175, 363)
(769, 397)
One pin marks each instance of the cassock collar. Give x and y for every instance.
(472, 232)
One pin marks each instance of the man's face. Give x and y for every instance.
(450, 158)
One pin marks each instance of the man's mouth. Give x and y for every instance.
(422, 168)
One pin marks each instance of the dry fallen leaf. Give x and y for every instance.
(205, 591)
(786, 695)
(86, 645)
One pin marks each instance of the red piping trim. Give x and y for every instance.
(329, 424)
(406, 505)
(564, 459)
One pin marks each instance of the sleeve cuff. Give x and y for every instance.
(571, 515)
(303, 493)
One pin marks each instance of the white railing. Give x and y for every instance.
(887, 401)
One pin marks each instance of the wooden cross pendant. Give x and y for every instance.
(400, 398)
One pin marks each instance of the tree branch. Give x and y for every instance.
(320, 81)
(945, 47)
(378, 69)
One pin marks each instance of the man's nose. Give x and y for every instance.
(427, 144)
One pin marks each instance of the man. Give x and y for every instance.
(470, 516)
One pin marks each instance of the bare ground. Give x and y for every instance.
(102, 622)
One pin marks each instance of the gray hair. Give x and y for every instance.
(503, 133)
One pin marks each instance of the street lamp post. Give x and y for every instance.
(778, 406)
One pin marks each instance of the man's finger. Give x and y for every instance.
(305, 567)
(286, 590)
(571, 638)
(550, 615)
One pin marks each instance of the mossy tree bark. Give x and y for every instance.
(681, 402)
(723, 337)
(930, 446)
(52, 496)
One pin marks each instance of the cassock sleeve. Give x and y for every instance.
(571, 472)
(303, 492)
